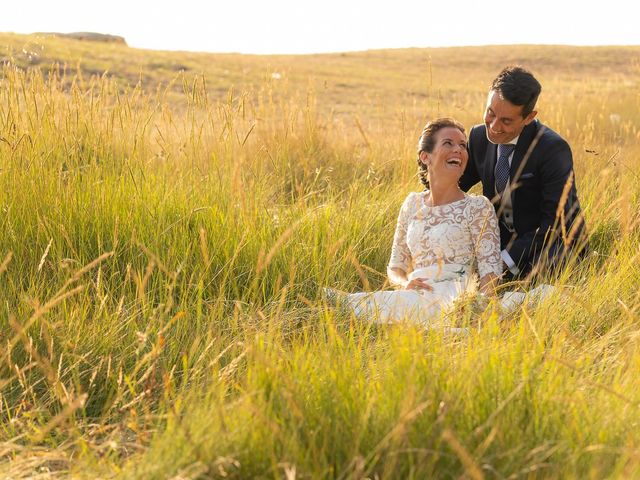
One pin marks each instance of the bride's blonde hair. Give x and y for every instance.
(427, 141)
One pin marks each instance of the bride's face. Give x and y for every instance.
(449, 156)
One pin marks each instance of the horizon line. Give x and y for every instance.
(324, 52)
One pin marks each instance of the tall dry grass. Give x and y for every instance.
(160, 293)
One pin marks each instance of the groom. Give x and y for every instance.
(526, 169)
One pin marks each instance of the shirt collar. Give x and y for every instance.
(514, 141)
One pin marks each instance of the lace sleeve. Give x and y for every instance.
(485, 235)
(400, 254)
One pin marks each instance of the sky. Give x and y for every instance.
(290, 26)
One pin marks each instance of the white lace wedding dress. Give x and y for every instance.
(449, 245)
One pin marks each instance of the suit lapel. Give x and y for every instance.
(526, 137)
(490, 170)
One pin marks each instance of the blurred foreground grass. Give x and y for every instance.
(162, 254)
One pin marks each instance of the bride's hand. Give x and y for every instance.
(418, 284)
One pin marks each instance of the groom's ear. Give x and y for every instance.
(529, 118)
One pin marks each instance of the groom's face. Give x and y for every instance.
(503, 119)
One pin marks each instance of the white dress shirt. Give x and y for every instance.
(507, 215)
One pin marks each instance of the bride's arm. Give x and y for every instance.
(401, 261)
(488, 283)
(398, 277)
(486, 238)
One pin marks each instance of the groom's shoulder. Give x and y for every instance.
(478, 134)
(547, 140)
(551, 135)
(545, 133)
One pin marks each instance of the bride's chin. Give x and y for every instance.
(449, 176)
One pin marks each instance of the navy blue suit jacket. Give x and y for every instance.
(541, 167)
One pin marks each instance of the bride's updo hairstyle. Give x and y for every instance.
(428, 140)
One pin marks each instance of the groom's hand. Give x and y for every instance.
(418, 284)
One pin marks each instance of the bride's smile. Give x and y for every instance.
(449, 155)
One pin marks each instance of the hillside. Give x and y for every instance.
(169, 221)
(436, 80)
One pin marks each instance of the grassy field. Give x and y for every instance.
(169, 219)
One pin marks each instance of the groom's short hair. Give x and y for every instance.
(518, 86)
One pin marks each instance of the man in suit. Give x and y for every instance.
(526, 169)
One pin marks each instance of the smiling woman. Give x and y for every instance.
(443, 145)
(444, 239)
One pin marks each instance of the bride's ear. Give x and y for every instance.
(424, 158)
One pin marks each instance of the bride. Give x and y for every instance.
(446, 241)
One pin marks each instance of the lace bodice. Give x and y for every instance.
(463, 232)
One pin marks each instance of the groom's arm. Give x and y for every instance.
(555, 170)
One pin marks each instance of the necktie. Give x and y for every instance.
(502, 166)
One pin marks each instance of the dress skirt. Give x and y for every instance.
(449, 282)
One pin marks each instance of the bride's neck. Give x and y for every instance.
(440, 194)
